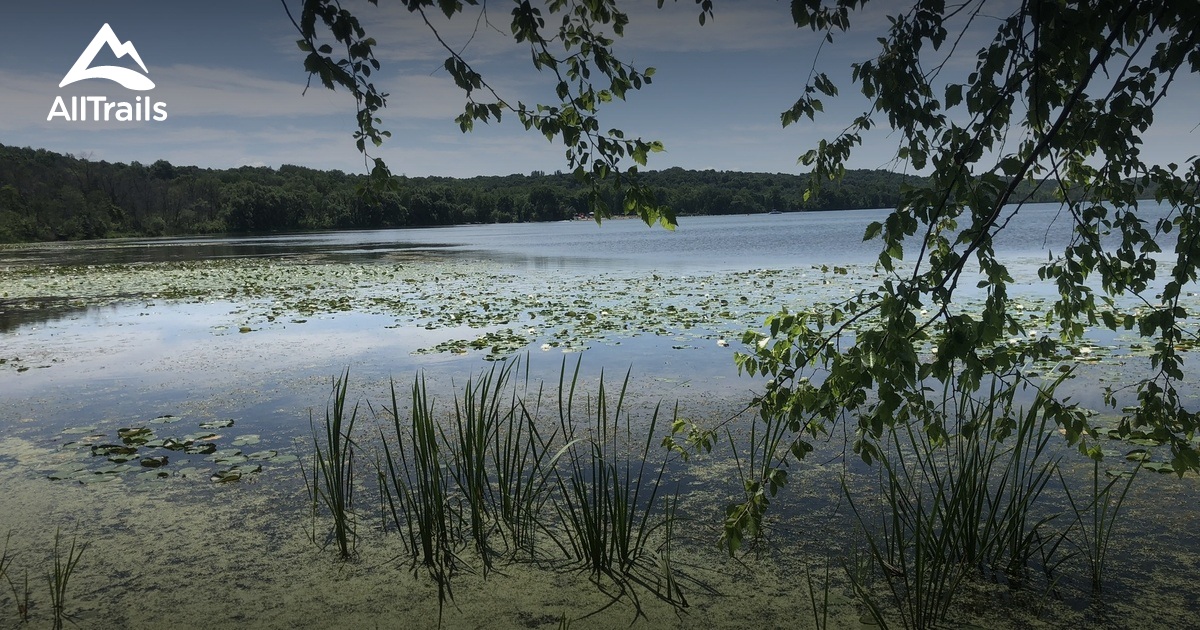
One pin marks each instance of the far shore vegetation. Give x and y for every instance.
(47, 196)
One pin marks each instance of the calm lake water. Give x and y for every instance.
(103, 335)
(98, 333)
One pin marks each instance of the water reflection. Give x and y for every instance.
(140, 251)
(35, 311)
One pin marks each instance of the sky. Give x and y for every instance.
(232, 80)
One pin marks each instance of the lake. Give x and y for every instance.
(183, 335)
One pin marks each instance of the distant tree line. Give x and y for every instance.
(48, 196)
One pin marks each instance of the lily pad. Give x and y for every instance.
(216, 424)
(135, 435)
(207, 448)
(98, 478)
(1138, 455)
(247, 440)
(68, 473)
(1163, 468)
(116, 469)
(234, 474)
(191, 472)
(229, 456)
(154, 462)
(225, 476)
(153, 475)
(107, 450)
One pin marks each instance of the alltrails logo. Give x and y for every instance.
(99, 107)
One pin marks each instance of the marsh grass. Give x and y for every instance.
(332, 482)
(608, 487)
(960, 505)
(420, 485)
(476, 416)
(20, 595)
(60, 577)
(1096, 519)
(818, 596)
(523, 471)
(494, 478)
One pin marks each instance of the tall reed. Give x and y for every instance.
(957, 505)
(1096, 519)
(20, 595)
(477, 417)
(333, 470)
(488, 477)
(820, 604)
(419, 486)
(608, 491)
(523, 472)
(64, 567)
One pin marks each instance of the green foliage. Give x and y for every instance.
(959, 504)
(48, 196)
(570, 42)
(1063, 91)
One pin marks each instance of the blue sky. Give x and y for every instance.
(232, 78)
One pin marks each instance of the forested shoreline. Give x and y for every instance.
(47, 196)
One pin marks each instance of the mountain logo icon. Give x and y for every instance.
(128, 78)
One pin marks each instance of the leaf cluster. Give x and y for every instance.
(572, 42)
(1063, 94)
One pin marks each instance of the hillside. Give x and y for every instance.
(49, 196)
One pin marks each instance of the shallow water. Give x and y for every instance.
(96, 337)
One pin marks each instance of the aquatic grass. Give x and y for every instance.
(958, 504)
(477, 416)
(915, 548)
(1097, 519)
(20, 596)
(523, 468)
(419, 484)
(820, 605)
(485, 477)
(669, 587)
(606, 501)
(333, 470)
(997, 465)
(60, 577)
